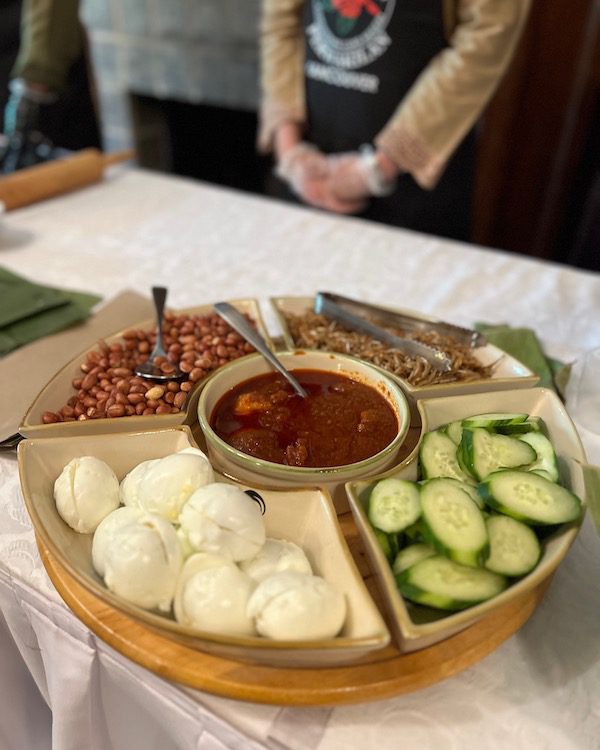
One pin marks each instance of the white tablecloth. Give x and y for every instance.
(62, 687)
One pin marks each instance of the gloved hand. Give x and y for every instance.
(25, 144)
(358, 175)
(306, 171)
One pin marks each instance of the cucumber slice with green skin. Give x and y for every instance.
(454, 431)
(530, 498)
(484, 452)
(514, 548)
(542, 473)
(533, 424)
(444, 584)
(437, 457)
(411, 555)
(394, 504)
(388, 543)
(470, 489)
(464, 468)
(452, 523)
(414, 532)
(546, 457)
(493, 420)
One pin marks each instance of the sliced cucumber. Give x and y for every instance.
(533, 424)
(467, 471)
(452, 523)
(411, 555)
(454, 431)
(529, 497)
(470, 489)
(546, 457)
(388, 544)
(442, 583)
(437, 457)
(394, 504)
(514, 547)
(414, 532)
(542, 473)
(484, 452)
(494, 420)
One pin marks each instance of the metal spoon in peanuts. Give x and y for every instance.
(158, 366)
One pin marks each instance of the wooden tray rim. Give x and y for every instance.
(382, 674)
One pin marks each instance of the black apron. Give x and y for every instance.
(361, 58)
(358, 69)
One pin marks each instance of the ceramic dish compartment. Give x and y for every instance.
(59, 389)
(303, 516)
(508, 373)
(246, 468)
(415, 627)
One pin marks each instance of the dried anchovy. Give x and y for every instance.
(312, 331)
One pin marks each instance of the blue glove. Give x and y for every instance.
(24, 144)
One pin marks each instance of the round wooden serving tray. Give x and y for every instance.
(381, 675)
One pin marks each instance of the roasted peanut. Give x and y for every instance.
(155, 393)
(108, 387)
(90, 379)
(116, 410)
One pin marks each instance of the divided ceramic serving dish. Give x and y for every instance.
(415, 627)
(59, 389)
(303, 516)
(508, 372)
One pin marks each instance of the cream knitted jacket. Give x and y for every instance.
(441, 106)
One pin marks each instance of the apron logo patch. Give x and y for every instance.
(350, 12)
(350, 34)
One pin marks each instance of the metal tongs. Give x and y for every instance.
(351, 313)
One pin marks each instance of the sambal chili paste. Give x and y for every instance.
(342, 420)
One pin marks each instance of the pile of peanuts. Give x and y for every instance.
(108, 386)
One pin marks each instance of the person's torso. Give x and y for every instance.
(361, 57)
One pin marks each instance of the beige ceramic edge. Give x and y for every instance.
(509, 373)
(244, 468)
(542, 402)
(305, 516)
(58, 390)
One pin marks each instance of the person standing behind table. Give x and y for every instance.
(50, 95)
(369, 105)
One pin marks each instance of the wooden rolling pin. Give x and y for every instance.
(52, 178)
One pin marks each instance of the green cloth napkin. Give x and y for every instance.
(29, 311)
(524, 345)
(591, 476)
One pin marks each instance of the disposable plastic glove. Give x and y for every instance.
(24, 143)
(306, 171)
(356, 176)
